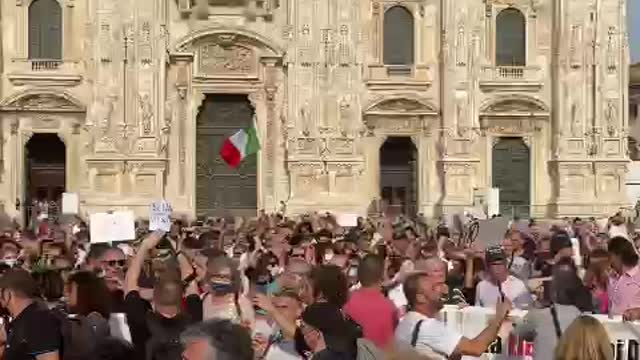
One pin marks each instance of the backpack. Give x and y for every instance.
(81, 334)
(164, 342)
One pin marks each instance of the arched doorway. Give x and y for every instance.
(220, 189)
(398, 176)
(511, 174)
(45, 158)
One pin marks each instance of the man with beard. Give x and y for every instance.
(429, 336)
(34, 332)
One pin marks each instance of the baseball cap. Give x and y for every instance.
(494, 254)
(21, 282)
(559, 240)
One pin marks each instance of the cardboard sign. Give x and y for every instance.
(70, 203)
(160, 216)
(114, 226)
(347, 220)
(491, 231)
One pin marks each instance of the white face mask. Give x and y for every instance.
(274, 270)
(10, 261)
(328, 256)
(353, 271)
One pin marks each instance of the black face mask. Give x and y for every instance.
(221, 289)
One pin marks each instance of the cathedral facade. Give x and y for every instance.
(422, 105)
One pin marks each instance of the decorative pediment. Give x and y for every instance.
(515, 106)
(42, 101)
(400, 106)
(227, 38)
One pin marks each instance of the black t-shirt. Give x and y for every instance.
(137, 309)
(35, 331)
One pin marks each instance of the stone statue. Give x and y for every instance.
(164, 137)
(611, 50)
(575, 33)
(461, 47)
(610, 116)
(106, 112)
(575, 121)
(345, 114)
(146, 113)
(305, 116)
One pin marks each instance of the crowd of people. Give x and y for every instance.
(290, 288)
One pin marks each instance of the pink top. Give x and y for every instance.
(624, 291)
(603, 300)
(375, 313)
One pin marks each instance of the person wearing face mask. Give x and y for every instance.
(34, 332)
(223, 298)
(156, 327)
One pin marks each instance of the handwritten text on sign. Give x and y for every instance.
(160, 216)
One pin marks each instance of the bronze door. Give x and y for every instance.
(220, 189)
(398, 176)
(511, 174)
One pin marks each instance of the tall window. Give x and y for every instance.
(45, 30)
(511, 38)
(398, 36)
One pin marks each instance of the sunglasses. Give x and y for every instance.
(119, 263)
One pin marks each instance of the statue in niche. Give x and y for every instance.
(460, 118)
(610, 116)
(166, 127)
(345, 114)
(461, 47)
(146, 113)
(575, 38)
(611, 49)
(105, 112)
(305, 116)
(575, 121)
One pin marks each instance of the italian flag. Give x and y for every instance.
(240, 145)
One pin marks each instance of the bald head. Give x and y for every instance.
(168, 292)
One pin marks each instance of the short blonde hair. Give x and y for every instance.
(585, 338)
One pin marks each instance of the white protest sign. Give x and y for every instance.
(347, 220)
(491, 231)
(160, 216)
(113, 226)
(70, 203)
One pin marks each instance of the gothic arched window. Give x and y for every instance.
(398, 36)
(511, 38)
(45, 30)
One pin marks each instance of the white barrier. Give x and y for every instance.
(470, 321)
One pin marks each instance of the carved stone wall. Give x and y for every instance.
(126, 94)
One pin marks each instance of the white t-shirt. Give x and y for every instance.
(435, 340)
(487, 294)
(396, 295)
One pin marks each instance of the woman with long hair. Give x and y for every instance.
(585, 338)
(224, 297)
(596, 279)
(88, 294)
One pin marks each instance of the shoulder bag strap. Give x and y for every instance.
(556, 323)
(416, 332)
